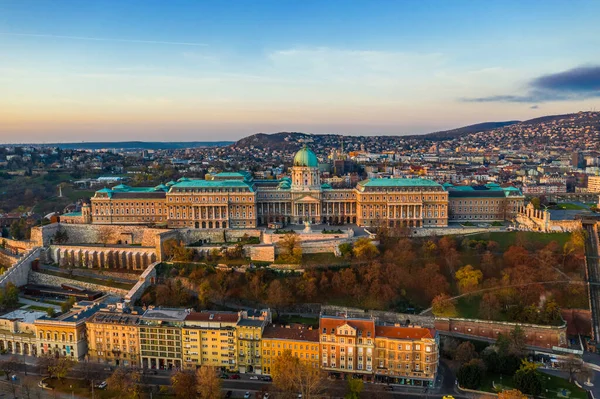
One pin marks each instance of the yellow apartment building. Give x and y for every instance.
(301, 341)
(249, 331)
(209, 339)
(113, 338)
(406, 355)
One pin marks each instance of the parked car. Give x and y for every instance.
(266, 378)
(247, 395)
(254, 377)
(389, 388)
(266, 395)
(102, 385)
(234, 376)
(224, 376)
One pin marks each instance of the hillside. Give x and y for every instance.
(462, 131)
(139, 145)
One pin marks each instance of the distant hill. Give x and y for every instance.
(139, 145)
(281, 141)
(462, 131)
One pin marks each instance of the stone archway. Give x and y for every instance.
(26, 349)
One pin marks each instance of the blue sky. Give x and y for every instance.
(194, 70)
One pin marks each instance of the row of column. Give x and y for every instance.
(104, 259)
(405, 211)
(339, 208)
(274, 208)
(210, 212)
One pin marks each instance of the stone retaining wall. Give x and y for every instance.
(94, 234)
(19, 272)
(56, 281)
(146, 279)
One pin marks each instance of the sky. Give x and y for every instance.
(174, 70)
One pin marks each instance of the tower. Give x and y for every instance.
(305, 171)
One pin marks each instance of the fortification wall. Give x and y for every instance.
(270, 238)
(261, 253)
(18, 273)
(7, 260)
(535, 335)
(145, 280)
(56, 281)
(20, 246)
(94, 234)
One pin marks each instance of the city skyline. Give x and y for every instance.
(208, 72)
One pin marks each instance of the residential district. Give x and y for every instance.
(93, 239)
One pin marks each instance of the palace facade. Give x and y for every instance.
(236, 200)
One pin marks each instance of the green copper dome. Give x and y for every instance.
(306, 158)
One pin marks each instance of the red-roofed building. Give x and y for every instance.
(347, 344)
(406, 355)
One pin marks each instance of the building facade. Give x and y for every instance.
(160, 338)
(209, 340)
(113, 338)
(301, 341)
(484, 203)
(236, 200)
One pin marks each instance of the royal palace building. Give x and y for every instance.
(236, 200)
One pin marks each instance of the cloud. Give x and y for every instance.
(572, 85)
(103, 39)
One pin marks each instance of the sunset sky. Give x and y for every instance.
(219, 70)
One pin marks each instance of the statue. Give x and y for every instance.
(307, 228)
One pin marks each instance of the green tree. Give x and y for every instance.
(528, 379)
(355, 387)
(469, 376)
(67, 305)
(465, 352)
(535, 201)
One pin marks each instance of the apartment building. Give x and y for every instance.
(160, 338)
(301, 341)
(249, 330)
(209, 339)
(113, 337)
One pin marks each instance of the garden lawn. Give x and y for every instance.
(552, 383)
(571, 207)
(323, 259)
(506, 239)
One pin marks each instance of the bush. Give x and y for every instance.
(469, 376)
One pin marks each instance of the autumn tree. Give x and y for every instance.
(364, 249)
(468, 278)
(292, 375)
(184, 384)
(125, 383)
(278, 296)
(489, 306)
(511, 394)
(208, 383)
(528, 379)
(465, 352)
(291, 248)
(204, 291)
(442, 306)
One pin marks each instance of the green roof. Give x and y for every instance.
(306, 158)
(212, 184)
(398, 183)
(72, 214)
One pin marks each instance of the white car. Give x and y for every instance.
(102, 385)
(254, 377)
(247, 395)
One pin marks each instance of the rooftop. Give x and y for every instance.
(24, 316)
(227, 317)
(165, 314)
(398, 182)
(212, 184)
(291, 333)
(412, 333)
